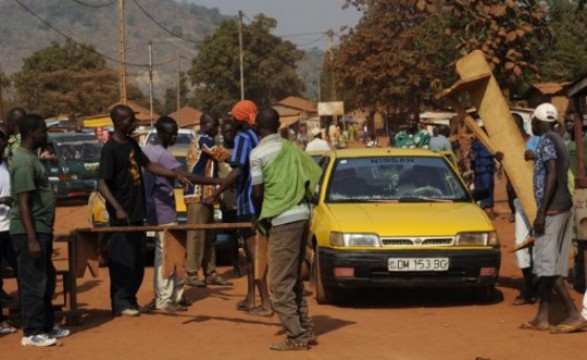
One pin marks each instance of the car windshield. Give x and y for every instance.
(396, 179)
(87, 151)
(182, 139)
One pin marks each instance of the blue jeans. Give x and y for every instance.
(36, 277)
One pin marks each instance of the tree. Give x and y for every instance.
(269, 63)
(65, 78)
(507, 32)
(170, 100)
(391, 61)
(563, 57)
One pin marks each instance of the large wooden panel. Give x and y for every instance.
(493, 109)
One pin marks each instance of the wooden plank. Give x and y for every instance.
(471, 124)
(86, 254)
(501, 128)
(260, 256)
(125, 229)
(174, 253)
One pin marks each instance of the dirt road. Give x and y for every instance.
(435, 324)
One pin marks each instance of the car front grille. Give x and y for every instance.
(417, 241)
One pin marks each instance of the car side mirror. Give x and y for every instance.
(481, 194)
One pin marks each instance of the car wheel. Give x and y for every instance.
(485, 294)
(324, 295)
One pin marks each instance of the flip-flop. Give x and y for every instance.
(520, 300)
(569, 328)
(259, 311)
(529, 326)
(244, 306)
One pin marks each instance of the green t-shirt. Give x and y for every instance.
(572, 148)
(27, 174)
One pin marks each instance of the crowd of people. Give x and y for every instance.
(274, 179)
(137, 185)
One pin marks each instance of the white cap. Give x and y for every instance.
(546, 112)
(316, 131)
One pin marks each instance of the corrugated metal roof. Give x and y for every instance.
(188, 116)
(298, 103)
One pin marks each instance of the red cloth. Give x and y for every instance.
(245, 111)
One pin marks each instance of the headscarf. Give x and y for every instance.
(245, 111)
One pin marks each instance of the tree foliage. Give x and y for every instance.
(65, 78)
(401, 51)
(269, 66)
(563, 57)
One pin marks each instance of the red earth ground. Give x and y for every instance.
(393, 324)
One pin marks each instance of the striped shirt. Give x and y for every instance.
(244, 143)
(261, 157)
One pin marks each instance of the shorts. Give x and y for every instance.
(245, 233)
(551, 249)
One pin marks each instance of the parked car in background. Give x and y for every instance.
(184, 138)
(398, 218)
(72, 161)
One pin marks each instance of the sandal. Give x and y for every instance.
(244, 305)
(530, 326)
(290, 344)
(522, 300)
(260, 311)
(569, 328)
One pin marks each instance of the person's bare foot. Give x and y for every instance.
(245, 305)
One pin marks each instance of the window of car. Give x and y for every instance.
(395, 178)
(183, 139)
(86, 151)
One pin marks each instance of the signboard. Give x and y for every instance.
(331, 108)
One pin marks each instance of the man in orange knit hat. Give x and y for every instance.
(244, 113)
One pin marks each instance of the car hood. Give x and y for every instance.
(409, 219)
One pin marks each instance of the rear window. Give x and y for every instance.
(86, 150)
(182, 139)
(402, 179)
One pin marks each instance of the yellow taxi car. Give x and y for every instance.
(398, 218)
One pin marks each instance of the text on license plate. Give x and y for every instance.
(417, 264)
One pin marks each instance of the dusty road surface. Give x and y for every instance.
(414, 325)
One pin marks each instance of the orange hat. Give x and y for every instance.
(245, 111)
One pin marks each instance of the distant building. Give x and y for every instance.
(187, 117)
(554, 93)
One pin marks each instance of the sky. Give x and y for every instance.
(294, 17)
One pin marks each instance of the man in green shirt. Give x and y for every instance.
(413, 136)
(31, 229)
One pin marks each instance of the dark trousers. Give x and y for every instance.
(485, 181)
(7, 254)
(126, 264)
(511, 193)
(36, 278)
(286, 249)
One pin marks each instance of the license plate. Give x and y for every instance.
(417, 264)
(151, 234)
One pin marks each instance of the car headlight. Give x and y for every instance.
(478, 239)
(354, 240)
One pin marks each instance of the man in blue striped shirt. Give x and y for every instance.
(244, 113)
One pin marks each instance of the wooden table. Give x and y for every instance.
(83, 252)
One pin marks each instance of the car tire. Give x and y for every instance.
(324, 295)
(485, 294)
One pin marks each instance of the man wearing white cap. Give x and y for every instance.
(317, 144)
(554, 219)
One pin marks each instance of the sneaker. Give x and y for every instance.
(172, 308)
(58, 332)
(217, 280)
(130, 312)
(6, 329)
(195, 282)
(41, 340)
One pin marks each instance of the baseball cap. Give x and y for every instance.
(316, 131)
(546, 112)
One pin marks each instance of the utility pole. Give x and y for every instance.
(151, 81)
(178, 84)
(319, 87)
(330, 35)
(122, 53)
(240, 47)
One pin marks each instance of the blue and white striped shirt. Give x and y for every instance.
(244, 143)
